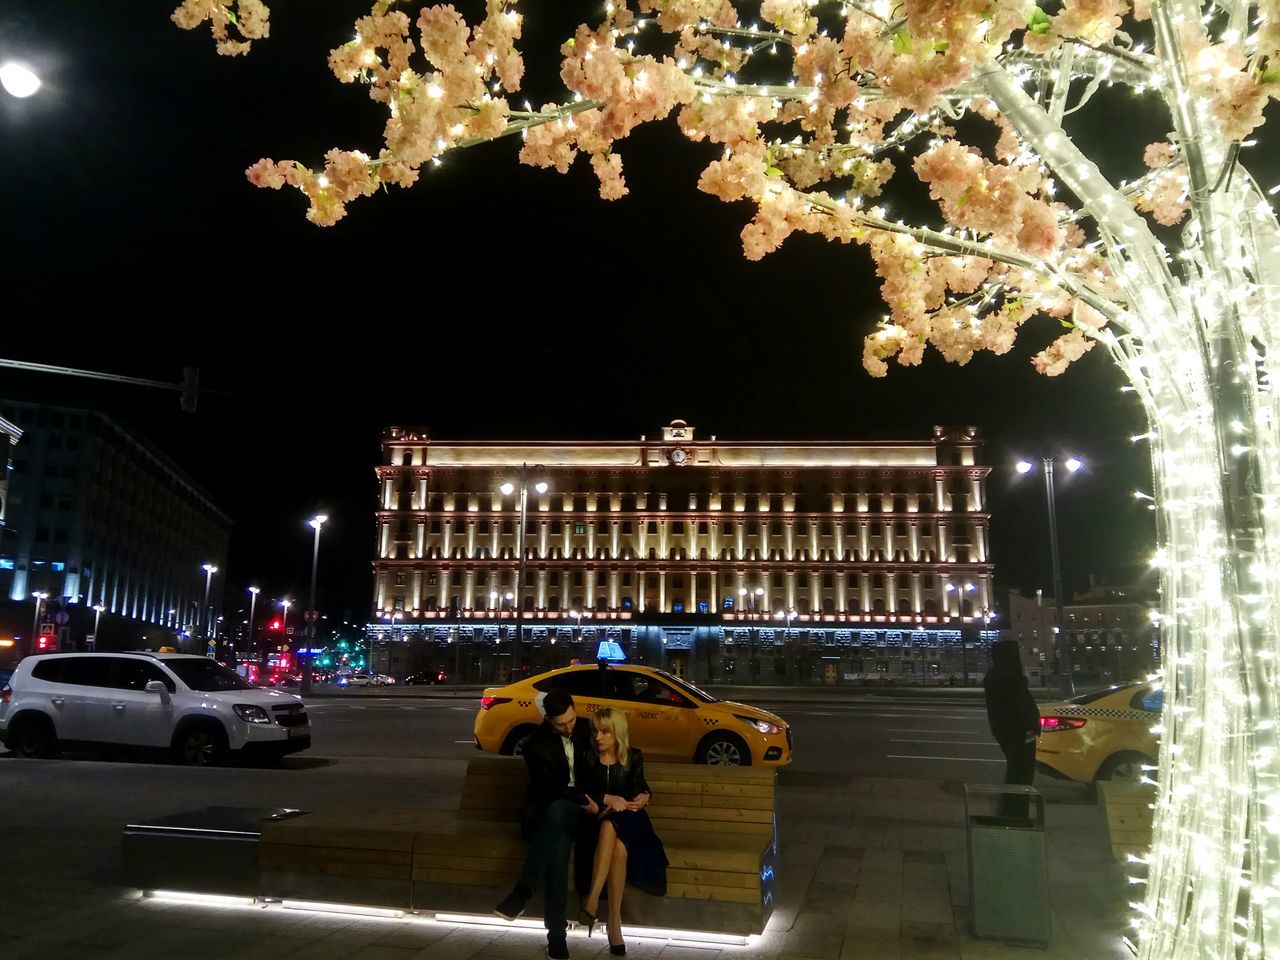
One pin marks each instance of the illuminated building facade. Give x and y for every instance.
(729, 561)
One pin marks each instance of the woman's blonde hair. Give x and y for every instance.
(614, 721)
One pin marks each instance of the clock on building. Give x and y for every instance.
(678, 456)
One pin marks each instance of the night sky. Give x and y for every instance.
(491, 301)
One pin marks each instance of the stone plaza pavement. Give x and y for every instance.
(870, 868)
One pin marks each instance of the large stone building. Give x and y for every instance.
(10, 434)
(98, 516)
(724, 560)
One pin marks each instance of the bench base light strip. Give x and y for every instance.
(651, 933)
(454, 919)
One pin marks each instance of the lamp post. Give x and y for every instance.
(209, 570)
(577, 635)
(253, 605)
(39, 598)
(285, 604)
(1073, 465)
(316, 523)
(507, 488)
(754, 634)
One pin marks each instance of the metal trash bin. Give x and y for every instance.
(1008, 863)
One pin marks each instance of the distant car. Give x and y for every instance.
(195, 708)
(431, 676)
(669, 718)
(356, 680)
(1105, 735)
(384, 680)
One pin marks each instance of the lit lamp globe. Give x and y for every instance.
(18, 80)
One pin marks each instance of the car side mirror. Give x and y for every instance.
(157, 686)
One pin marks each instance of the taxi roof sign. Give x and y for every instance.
(610, 650)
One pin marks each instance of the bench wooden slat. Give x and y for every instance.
(305, 854)
(729, 894)
(337, 868)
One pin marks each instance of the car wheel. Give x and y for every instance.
(32, 737)
(1124, 767)
(201, 745)
(514, 745)
(724, 750)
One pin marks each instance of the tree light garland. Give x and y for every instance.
(803, 94)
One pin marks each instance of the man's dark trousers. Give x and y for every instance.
(547, 866)
(1020, 768)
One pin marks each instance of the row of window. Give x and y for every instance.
(629, 503)
(678, 604)
(677, 528)
(879, 581)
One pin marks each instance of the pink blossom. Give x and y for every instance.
(1060, 354)
(609, 171)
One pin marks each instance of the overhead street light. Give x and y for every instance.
(18, 79)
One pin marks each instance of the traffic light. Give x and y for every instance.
(190, 388)
(276, 624)
(45, 643)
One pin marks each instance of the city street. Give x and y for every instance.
(934, 739)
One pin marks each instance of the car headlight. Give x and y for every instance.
(251, 713)
(764, 726)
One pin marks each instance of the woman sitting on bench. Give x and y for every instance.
(627, 850)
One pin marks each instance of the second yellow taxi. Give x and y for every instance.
(669, 719)
(1105, 735)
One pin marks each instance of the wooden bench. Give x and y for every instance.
(333, 858)
(1129, 813)
(717, 824)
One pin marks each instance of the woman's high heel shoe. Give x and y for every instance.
(585, 916)
(618, 949)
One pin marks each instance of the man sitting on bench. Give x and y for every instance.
(557, 813)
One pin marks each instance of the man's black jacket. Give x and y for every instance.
(1011, 710)
(549, 769)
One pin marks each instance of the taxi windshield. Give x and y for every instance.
(688, 688)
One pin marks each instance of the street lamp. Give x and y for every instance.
(209, 570)
(97, 616)
(253, 605)
(316, 522)
(18, 79)
(1073, 465)
(507, 488)
(40, 598)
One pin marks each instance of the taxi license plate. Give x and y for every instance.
(299, 732)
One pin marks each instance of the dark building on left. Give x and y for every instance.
(94, 515)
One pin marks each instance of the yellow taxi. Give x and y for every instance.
(669, 719)
(1104, 735)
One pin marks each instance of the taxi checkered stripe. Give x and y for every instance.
(1110, 712)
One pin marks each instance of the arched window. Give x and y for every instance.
(931, 607)
(527, 605)
(828, 605)
(966, 607)
(602, 604)
(406, 458)
(430, 604)
(554, 604)
(877, 606)
(802, 605)
(904, 605)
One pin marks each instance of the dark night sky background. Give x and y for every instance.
(490, 301)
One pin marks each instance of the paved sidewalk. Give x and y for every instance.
(870, 868)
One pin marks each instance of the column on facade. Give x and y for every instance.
(589, 591)
(815, 591)
(979, 542)
(388, 491)
(614, 599)
(941, 501)
(615, 529)
(842, 594)
(693, 590)
(864, 539)
(421, 503)
(914, 542)
(864, 585)
(715, 539)
(886, 538)
(442, 588)
(790, 587)
(940, 541)
(540, 598)
(790, 552)
(543, 537)
(717, 601)
(838, 540)
(469, 590)
(640, 596)
(417, 590)
(446, 541)
(815, 530)
(662, 590)
(384, 540)
(917, 600)
(975, 492)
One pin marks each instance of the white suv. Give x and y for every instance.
(192, 706)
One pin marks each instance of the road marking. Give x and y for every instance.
(971, 743)
(912, 756)
(858, 716)
(464, 741)
(918, 730)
